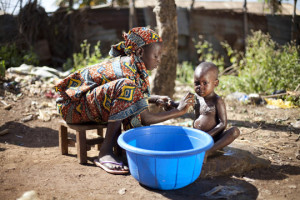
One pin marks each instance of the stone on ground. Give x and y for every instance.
(232, 161)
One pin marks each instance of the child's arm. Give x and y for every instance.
(152, 118)
(222, 118)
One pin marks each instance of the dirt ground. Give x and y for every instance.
(30, 158)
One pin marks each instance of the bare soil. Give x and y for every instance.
(30, 158)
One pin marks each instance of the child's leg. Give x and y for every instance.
(224, 139)
(106, 152)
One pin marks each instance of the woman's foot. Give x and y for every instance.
(111, 165)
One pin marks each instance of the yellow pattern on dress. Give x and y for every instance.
(128, 66)
(107, 102)
(127, 93)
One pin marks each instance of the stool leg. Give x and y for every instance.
(81, 147)
(63, 139)
(100, 133)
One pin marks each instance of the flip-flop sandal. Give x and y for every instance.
(102, 165)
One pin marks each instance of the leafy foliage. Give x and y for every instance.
(208, 54)
(13, 57)
(185, 73)
(2, 68)
(84, 57)
(268, 66)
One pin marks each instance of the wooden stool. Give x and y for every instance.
(83, 144)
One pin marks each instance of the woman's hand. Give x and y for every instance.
(163, 101)
(152, 118)
(187, 101)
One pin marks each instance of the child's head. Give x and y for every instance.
(205, 79)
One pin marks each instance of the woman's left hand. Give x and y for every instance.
(163, 101)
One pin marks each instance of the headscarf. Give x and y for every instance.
(135, 38)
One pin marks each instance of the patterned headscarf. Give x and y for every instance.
(135, 38)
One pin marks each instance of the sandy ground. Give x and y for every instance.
(30, 158)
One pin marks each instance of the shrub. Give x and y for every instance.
(2, 68)
(84, 57)
(14, 57)
(269, 66)
(208, 54)
(185, 73)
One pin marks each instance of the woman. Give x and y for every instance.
(117, 91)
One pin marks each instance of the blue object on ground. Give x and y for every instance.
(165, 157)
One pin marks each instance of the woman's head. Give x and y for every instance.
(150, 55)
(135, 39)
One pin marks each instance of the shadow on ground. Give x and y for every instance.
(22, 135)
(264, 126)
(217, 188)
(274, 172)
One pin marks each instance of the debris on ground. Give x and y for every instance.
(122, 191)
(44, 72)
(29, 195)
(4, 132)
(223, 192)
(278, 103)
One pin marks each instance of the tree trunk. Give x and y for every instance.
(132, 14)
(71, 4)
(245, 24)
(166, 18)
(294, 32)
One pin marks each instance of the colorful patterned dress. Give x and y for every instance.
(109, 91)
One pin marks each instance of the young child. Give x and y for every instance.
(210, 108)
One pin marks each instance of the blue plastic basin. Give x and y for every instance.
(165, 157)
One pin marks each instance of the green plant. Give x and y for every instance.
(14, 57)
(235, 58)
(185, 73)
(208, 54)
(30, 57)
(268, 66)
(2, 68)
(84, 57)
(11, 55)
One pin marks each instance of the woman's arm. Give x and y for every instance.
(159, 100)
(152, 118)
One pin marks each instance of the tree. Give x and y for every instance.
(274, 5)
(294, 31)
(245, 24)
(132, 14)
(166, 17)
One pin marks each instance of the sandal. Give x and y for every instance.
(102, 164)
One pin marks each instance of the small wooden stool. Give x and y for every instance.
(83, 144)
